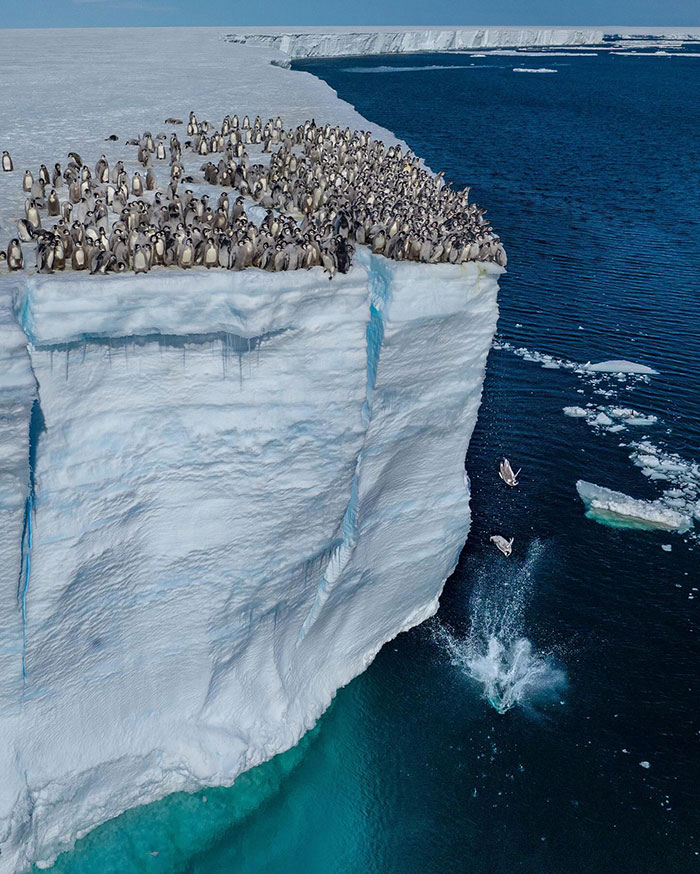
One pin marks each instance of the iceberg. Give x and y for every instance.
(621, 511)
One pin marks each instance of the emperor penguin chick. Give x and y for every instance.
(15, 259)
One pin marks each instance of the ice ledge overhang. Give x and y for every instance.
(72, 308)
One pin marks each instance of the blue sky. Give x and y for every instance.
(115, 13)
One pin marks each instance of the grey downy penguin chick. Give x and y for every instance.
(140, 260)
(15, 258)
(53, 204)
(25, 231)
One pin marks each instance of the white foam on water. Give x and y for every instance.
(496, 654)
(532, 70)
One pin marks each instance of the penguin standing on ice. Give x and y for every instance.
(7, 164)
(53, 204)
(343, 254)
(25, 230)
(140, 260)
(15, 259)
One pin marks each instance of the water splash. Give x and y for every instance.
(496, 654)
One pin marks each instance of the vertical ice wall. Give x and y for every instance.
(17, 392)
(247, 483)
(347, 42)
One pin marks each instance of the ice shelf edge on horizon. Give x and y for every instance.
(349, 42)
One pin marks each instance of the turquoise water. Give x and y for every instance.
(513, 731)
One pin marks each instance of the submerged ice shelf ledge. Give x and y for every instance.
(206, 540)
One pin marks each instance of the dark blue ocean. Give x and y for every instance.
(587, 637)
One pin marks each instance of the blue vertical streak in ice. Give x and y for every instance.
(37, 424)
(379, 287)
(27, 566)
(379, 284)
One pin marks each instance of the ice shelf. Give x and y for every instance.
(329, 43)
(325, 42)
(221, 493)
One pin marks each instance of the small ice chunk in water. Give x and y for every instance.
(645, 765)
(666, 547)
(642, 420)
(619, 366)
(575, 412)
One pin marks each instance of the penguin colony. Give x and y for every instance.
(324, 191)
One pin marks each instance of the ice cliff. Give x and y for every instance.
(243, 485)
(317, 42)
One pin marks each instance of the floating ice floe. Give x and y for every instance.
(598, 373)
(632, 417)
(384, 68)
(622, 511)
(658, 464)
(610, 419)
(620, 366)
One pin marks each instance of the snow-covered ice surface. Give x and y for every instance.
(241, 485)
